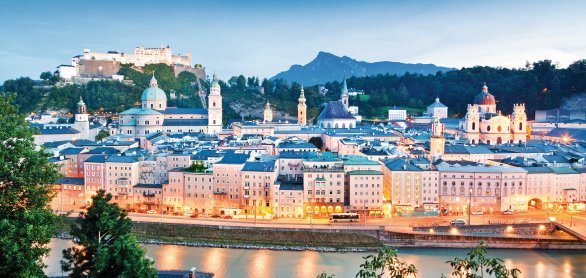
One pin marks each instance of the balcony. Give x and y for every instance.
(148, 194)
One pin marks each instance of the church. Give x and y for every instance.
(483, 124)
(336, 113)
(154, 116)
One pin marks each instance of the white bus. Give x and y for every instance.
(344, 217)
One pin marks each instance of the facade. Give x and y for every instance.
(154, 115)
(257, 182)
(323, 183)
(397, 114)
(437, 109)
(365, 192)
(484, 124)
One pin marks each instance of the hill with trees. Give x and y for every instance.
(541, 85)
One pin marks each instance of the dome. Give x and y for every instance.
(153, 92)
(484, 98)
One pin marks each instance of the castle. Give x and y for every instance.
(484, 124)
(154, 116)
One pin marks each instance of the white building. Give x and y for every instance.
(397, 114)
(437, 109)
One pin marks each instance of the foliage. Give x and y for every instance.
(26, 177)
(104, 245)
(102, 134)
(325, 275)
(317, 141)
(385, 263)
(476, 265)
(196, 167)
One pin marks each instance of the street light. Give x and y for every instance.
(310, 210)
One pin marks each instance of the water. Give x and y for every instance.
(288, 264)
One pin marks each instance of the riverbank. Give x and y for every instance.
(246, 237)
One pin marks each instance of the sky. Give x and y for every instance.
(263, 38)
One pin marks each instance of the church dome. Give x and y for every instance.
(153, 92)
(484, 98)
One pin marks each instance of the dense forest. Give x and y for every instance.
(541, 85)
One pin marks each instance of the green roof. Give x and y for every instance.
(365, 172)
(140, 111)
(563, 170)
(359, 160)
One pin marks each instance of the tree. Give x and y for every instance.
(325, 275)
(476, 265)
(46, 75)
(105, 246)
(317, 141)
(102, 134)
(26, 177)
(385, 263)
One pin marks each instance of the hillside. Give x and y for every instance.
(329, 67)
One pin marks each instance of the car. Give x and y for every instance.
(193, 215)
(152, 211)
(478, 212)
(508, 212)
(458, 222)
(216, 216)
(227, 216)
(204, 215)
(187, 213)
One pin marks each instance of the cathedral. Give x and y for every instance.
(484, 124)
(154, 116)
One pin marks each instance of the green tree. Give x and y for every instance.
(105, 246)
(317, 141)
(26, 176)
(102, 134)
(477, 264)
(46, 75)
(385, 264)
(325, 275)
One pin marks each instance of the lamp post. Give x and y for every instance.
(254, 205)
(162, 195)
(310, 211)
(364, 210)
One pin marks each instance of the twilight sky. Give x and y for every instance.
(262, 38)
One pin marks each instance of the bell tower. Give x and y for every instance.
(302, 110)
(344, 98)
(82, 123)
(215, 108)
(268, 113)
(437, 141)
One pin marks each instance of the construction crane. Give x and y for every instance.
(201, 93)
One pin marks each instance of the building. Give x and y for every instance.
(437, 141)
(323, 183)
(484, 124)
(365, 192)
(302, 110)
(336, 114)
(437, 109)
(154, 115)
(228, 182)
(397, 114)
(258, 178)
(268, 113)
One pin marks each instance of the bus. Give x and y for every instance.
(344, 217)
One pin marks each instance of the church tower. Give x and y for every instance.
(437, 141)
(519, 123)
(344, 98)
(268, 113)
(82, 123)
(215, 108)
(302, 110)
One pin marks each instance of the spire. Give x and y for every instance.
(215, 83)
(344, 87)
(302, 95)
(268, 105)
(153, 82)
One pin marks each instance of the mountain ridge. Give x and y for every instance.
(327, 67)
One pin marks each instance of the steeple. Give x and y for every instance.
(485, 88)
(268, 113)
(345, 97)
(302, 109)
(215, 88)
(81, 107)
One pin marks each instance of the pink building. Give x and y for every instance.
(227, 181)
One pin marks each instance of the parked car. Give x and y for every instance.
(216, 216)
(204, 215)
(227, 216)
(193, 215)
(187, 213)
(152, 211)
(478, 212)
(458, 222)
(508, 212)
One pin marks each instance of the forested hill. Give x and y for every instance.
(329, 67)
(540, 85)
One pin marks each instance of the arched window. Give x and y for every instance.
(473, 126)
(520, 126)
(500, 128)
(214, 104)
(152, 105)
(488, 128)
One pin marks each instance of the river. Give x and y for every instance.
(291, 264)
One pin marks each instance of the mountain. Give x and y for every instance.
(329, 67)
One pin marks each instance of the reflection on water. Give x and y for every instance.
(288, 264)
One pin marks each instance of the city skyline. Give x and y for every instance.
(260, 39)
